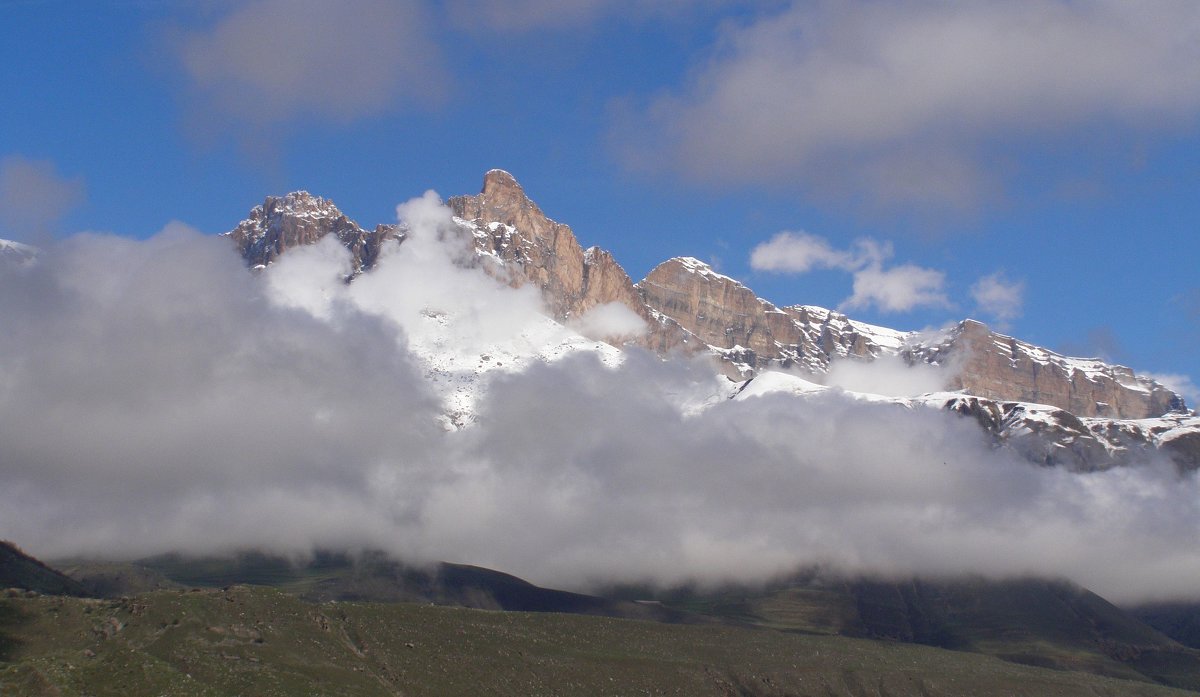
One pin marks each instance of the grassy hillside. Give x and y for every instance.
(261, 641)
(371, 577)
(1036, 622)
(1033, 622)
(1180, 621)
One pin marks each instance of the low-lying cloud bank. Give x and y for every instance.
(155, 395)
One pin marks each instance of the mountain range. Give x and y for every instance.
(1081, 413)
(105, 616)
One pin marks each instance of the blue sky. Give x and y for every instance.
(1034, 164)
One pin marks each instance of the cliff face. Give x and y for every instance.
(532, 248)
(535, 248)
(755, 335)
(752, 333)
(688, 306)
(1001, 367)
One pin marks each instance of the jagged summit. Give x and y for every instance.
(498, 182)
(688, 305)
(300, 218)
(694, 265)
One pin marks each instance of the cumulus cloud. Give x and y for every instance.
(155, 395)
(913, 102)
(895, 289)
(270, 61)
(998, 297)
(889, 376)
(610, 321)
(33, 195)
(800, 252)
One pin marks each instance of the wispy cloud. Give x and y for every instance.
(894, 289)
(909, 103)
(34, 196)
(998, 297)
(273, 61)
(530, 15)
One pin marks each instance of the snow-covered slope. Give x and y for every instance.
(16, 252)
(1040, 433)
(461, 372)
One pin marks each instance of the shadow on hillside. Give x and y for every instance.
(10, 618)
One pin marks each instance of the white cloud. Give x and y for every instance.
(998, 297)
(897, 289)
(610, 321)
(887, 375)
(271, 61)
(907, 102)
(33, 195)
(158, 396)
(799, 252)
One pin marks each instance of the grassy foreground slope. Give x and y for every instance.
(259, 641)
(1052, 624)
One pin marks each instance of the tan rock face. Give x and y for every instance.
(545, 252)
(688, 306)
(756, 334)
(538, 250)
(717, 309)
(725, 314)
(1001, 367)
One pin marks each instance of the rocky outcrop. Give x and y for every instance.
(1055, 437)
(754, 335)
(298, 219)
(532, 248)
(687, 305)
(535, 248)
(1000, 367)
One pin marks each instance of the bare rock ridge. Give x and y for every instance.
(689, 306)
(754, 335)
(535, 249)
(298, 219)
(1001, 367)
(1047, 435)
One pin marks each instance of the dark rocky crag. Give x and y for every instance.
(298, 219)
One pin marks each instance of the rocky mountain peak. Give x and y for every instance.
(300, 203)
(687, 304)
(1002, 367)
(300, 218)
(499, 184)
